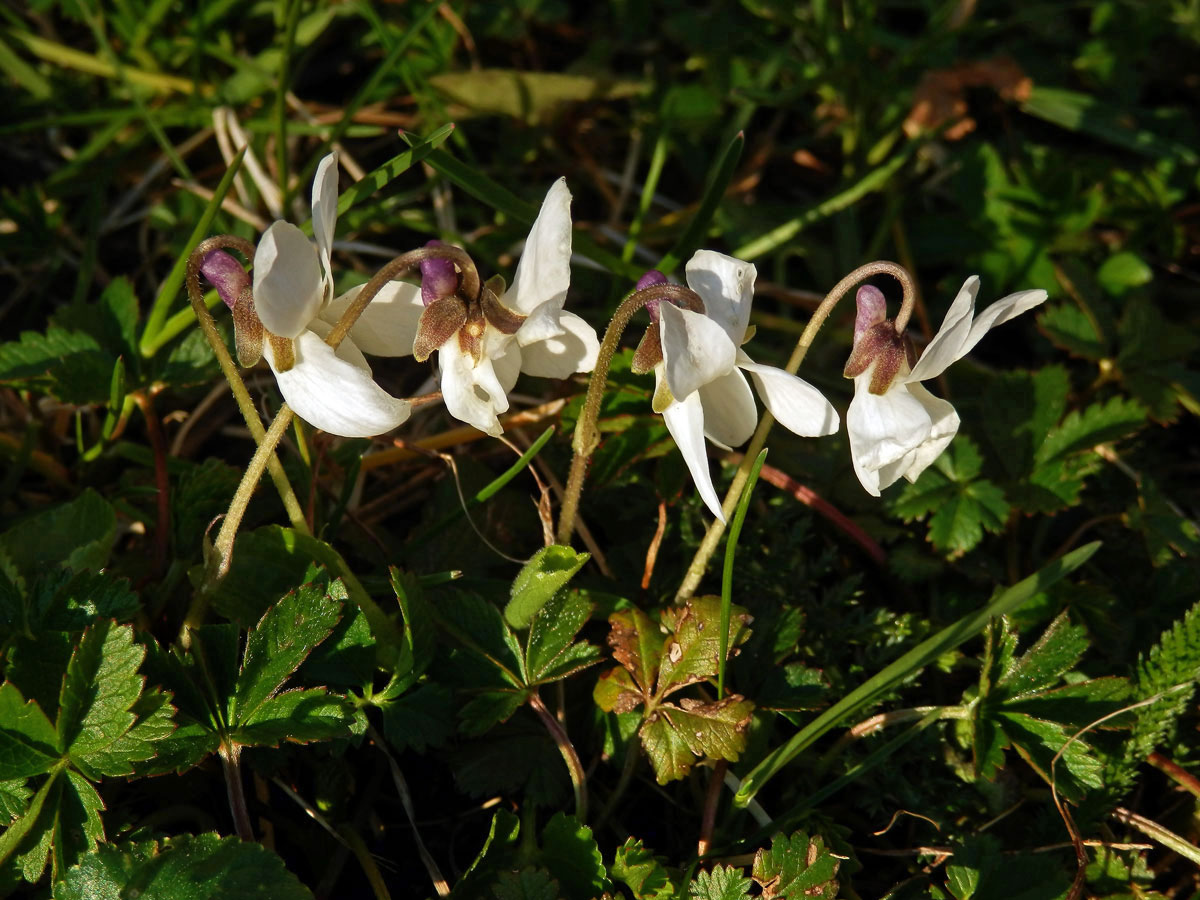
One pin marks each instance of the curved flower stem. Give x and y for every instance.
(587, 434)
(708, 546)
(469, 284)
(207, 324)
(567, 749)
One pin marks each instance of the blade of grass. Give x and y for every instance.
(907, 665)
(658, 158)
(292, 20)
(68, 58)
(24, 74)
(735, 529)
(384, 69)
(693, 235)
(149, 343)
(875, 180)
(503, 200)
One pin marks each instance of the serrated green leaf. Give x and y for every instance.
(29, 836)
(297, 715)
(279, 644)
(98, 693)
(1022, 407)
(616, 692)
(1070, 328)
(155, 722)
(796, 867)
(528, 884)
(418, 643)
(1056, 652)
(77, 825)
(501, 838)
(637, 644)
(674, 737)
(111, 319)
(27, 739)
(77, 535)
(347, 657)
(1099, 423)
(570, 853)
(478, 625)
(200, 494)
(1077, 705)
(722, 883)
(488, 709)
(542, 577)
(1039, 741)
(421, 718)
(641, 872)
(549, 653)
(691, 654)
(14, 799)
(188, 867)
(973, 862)
(183, 748)
(71, 365)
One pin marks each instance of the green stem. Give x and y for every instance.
(567, 749)
(231, 765)
(290, 504)
(716, 528)
(587, 432)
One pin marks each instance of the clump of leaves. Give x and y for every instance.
(654, 666)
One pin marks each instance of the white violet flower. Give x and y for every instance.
(485, 342)
(698, 362)
(291, 297)
(896, 427)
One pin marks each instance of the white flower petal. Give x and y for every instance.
(796, 405)
(572, 350)
(695, 349)
(949, 344)
(324, 212)
(727, 287)
(335, 391)
(287, 280)
(884, 430)
(730, 415)
(685, 421)
(945, 425)
(544, 271)
(388, 326)
(1000, 312)
(472, 394)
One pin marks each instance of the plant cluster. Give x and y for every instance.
(552, 610)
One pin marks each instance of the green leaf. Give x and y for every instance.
(77, 825)
(296, 715)
(570, 853)
(419, 641)
(488, 709)
(641, 872)
(77, 535)
(420, 719)
(1021, 409)
(282, 640)
(100, 688)
(27, 739)
(722, 883)
(676, 736)
(188, 867)
(692, 653)
(529, 96)
(1039, 741)
(1123, 271)
(796, 867)
(541, 578)
(32, 831)
(973, 862)
(14, 799)
(1098, 424)
(549, 654)
(478, 625)
(61, 601)
(1070, 328)
(111, 320)
(924, 653)
(1056, 652)
(502, 837)
(962, 505)
(528, 884)
(70, 365)
(637, 644)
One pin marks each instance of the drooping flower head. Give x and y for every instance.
(696, 356)
(287, 310)
(484, 341)
(896, 427)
